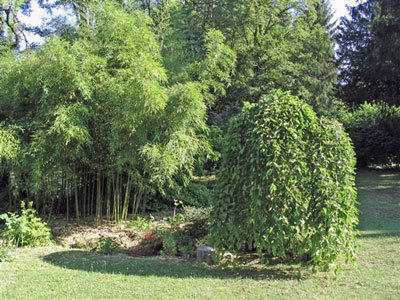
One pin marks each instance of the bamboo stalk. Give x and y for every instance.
(89, 194)
(103, 193)
(137, 200)
(61, 197)
(10, 197)
(98, 196)
(120, 197)
(67, 198)
(115, 198)
(84, 192)
(76, 199)
(127, 197)
(92, 195)
(108, 200)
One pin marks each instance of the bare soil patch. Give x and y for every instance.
(77, 235)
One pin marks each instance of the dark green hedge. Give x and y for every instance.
(375, 131)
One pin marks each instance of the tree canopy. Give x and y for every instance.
(99, 112)
(369, 44)
(125, 100)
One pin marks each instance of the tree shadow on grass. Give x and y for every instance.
(176, 268)
(379, 203)
(380, 234)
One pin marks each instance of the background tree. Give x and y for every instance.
(279, 44)
(11, 29)
(368, 45)
(374, 130)
(101, 127)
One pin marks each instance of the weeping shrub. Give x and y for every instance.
(286, 185)
(374, 129)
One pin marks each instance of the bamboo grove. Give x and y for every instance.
(90, 127)
(122, 104)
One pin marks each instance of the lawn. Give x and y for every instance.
(58, 273)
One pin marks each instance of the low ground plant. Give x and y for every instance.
(195, 230)
(25, 229)
(168, 243)
(177, 219)
(141, 223)
(179, 235)
(5, 253)
(150, 242)
(105, 245)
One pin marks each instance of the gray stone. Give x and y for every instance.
(203, 254)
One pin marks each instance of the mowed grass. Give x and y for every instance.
(57, 273)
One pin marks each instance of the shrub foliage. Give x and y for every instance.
(374, 129)
(26, 229)
(104, 245)
(286, 186)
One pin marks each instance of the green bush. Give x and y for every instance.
(26, 229)
(286, 185)
(168, 243)
(176, 220)
(184, 233)
(140, 223)
(194, 194)
(195, 230)
(187, 251)
(151, 242)
(374, 129)
(210, 159)
(104, 245)
(198, 221)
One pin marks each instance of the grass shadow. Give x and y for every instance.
(176, 268)
(379, 202)
(380, 234)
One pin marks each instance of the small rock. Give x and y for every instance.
(203, 254)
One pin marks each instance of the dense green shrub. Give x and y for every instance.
(182, 235)
(194, 231)
(197, 221)
(210, 159)
(286, 185)
(194, 194)
(168, 243)
(374, 129)
(151, 242)
(140, 223)
(26, 229)
(105, 245)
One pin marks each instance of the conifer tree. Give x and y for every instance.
(369, 43)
